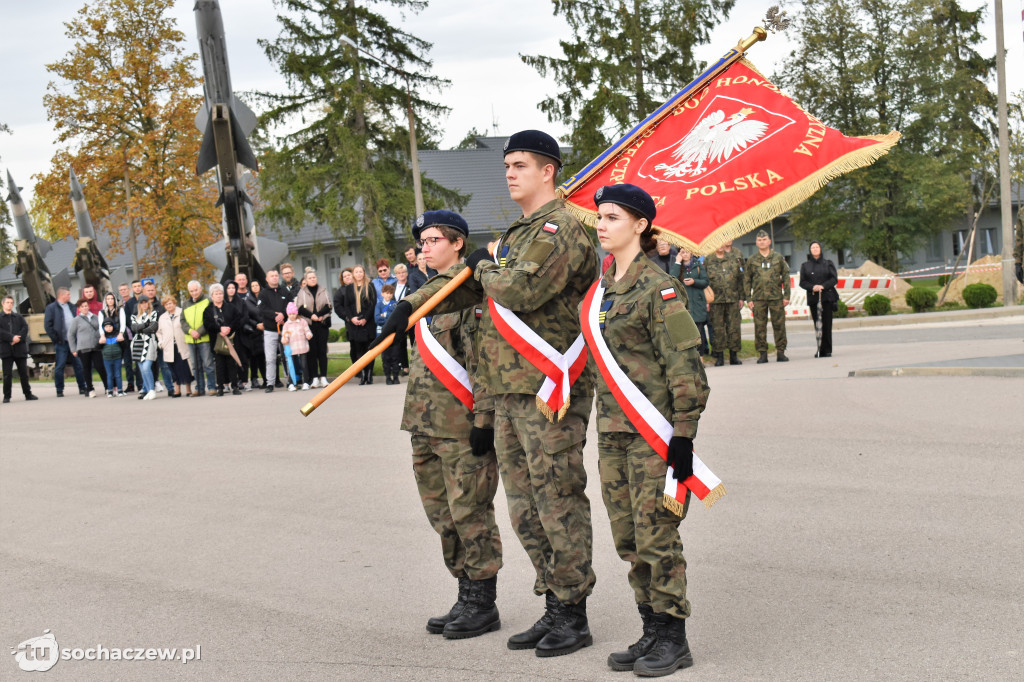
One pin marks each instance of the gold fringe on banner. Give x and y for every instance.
(714, 496)
(673, 505)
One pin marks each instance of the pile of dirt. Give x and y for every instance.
(896, 292)
(987, 270)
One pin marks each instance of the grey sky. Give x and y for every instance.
(476, 46)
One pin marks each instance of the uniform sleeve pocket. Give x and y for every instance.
(538, 252)
(681, 330)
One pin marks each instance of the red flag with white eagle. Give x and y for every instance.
(723, 157)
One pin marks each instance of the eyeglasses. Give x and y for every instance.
(382, 269)
(430, 241)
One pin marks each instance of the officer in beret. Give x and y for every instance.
(545, 264)
(457, 477)
(766, 281)
(648, 333)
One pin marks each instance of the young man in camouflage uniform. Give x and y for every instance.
(546, 263)
(725, 275)
(766, 282)
(643, 329)
(457, 480)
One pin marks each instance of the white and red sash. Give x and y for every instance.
(561, 370)
(448, 371)
(642, 414)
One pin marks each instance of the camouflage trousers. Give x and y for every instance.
(646, 534)
(725, 326)
(542, 471)
(457, 489)
(778, 312)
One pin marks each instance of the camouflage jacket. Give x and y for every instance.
(725, 277)
(430, 408)
(655, 343)
(766, 278)
(548, 263)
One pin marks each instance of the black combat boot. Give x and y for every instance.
(435, 625)
(369, 374)
(781, 356)
(529, 639)
(670, 652)
(480, 614)
(763, 358)
(734, 359)
(624, 660)
(570, 633)
(719, 359)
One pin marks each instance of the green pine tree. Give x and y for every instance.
(337, 143)
(6, 245)
(867, 67)
(624, 60)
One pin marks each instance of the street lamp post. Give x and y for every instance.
(417, 183)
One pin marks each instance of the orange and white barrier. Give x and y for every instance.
(852, 292)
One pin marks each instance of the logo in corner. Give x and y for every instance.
(38, 654)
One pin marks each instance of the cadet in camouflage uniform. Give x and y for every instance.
(766, 282)
(546, 264)
(652, 338)
(456, 480)
(725, 275)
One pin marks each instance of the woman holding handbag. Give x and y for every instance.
(222, 319)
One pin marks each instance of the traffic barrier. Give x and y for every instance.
(852, 292)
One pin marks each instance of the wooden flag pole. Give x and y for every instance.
(371, 355)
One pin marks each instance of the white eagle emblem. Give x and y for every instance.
(714, 139)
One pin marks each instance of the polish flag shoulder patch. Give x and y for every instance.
(668, 294)
(550, 227)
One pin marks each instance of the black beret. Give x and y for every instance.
(446, 218)
(630, 196)
(534, 141)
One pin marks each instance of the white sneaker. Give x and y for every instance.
(120, 394)
(291, 387)
(150, 396)
(92, 394)
(110, 394)
(305, 387)
(247, 387)
(316, 383)
(159, 387)
(323, 382)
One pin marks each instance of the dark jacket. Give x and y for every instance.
(339, 305)
(314, 301)
(10, 326)
(368, 331)
(698, 302)
(273, 301)
(226, 316)
(53, 322)
(819, 271)
(416, 279)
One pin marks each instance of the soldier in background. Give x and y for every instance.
(725, 277)
(766, 281)
(456, 470)
(546, 263)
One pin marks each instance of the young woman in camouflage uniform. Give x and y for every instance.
(456, 470)
(648, 333)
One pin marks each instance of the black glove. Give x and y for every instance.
(481, 441)
(396, 324)
(680, 457)
(473, 259)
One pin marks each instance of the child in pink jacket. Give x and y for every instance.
(296, 335)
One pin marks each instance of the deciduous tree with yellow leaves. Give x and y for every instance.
(123, 107)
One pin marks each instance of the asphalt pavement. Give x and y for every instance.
(873, 529)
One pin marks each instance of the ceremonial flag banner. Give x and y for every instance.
(723, 157)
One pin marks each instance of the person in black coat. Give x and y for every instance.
(221, 319)
(360, 299)
(14, 348)
(819, 278)
(253, 328)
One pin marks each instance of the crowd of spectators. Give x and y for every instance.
(226, 339)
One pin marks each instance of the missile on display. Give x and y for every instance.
(30, 250)
(226, 122)
(88, 259)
